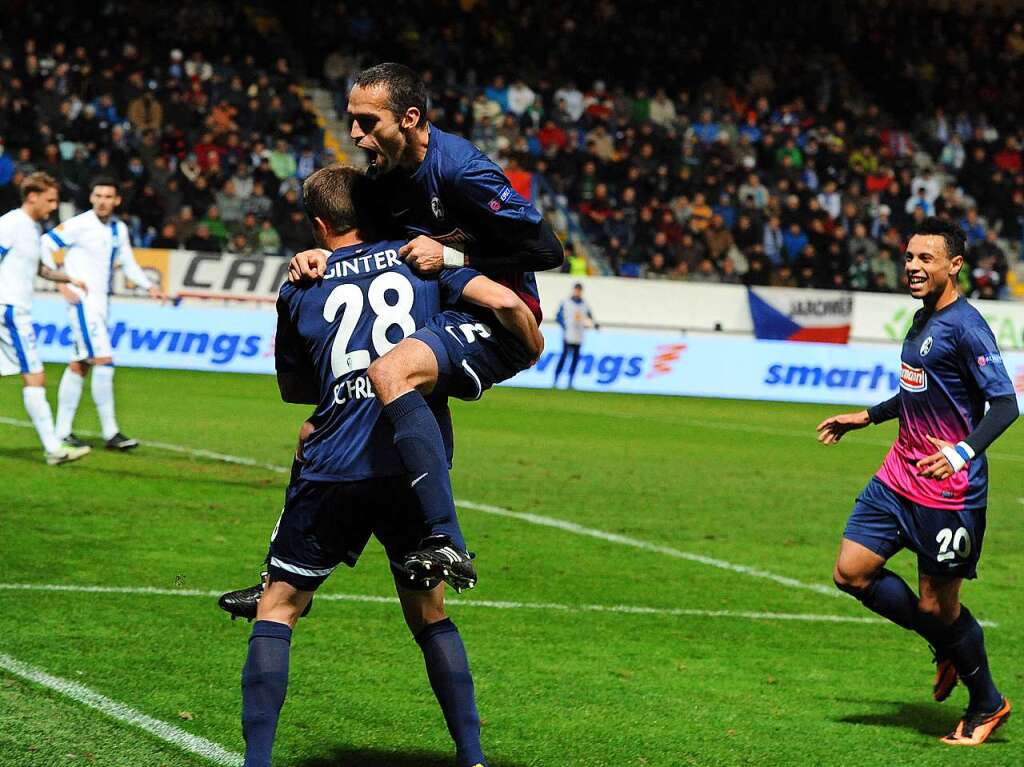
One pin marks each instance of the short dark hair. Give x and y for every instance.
(951, 233)
(332, 194)
(404, 88)
(105, 181)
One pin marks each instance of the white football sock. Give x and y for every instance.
(38, 410)
(68, 396)
(103, 396)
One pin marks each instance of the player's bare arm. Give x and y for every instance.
(832, 429)
(427, 256)
(308, 265)
(63, 278)
(510, 310)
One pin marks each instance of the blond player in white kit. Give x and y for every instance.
(95, 243)
(21, 259)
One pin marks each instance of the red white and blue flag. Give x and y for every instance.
(790, 314)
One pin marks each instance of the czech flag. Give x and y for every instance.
(789, 314)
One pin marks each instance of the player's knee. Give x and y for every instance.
(932, 606)
(386, 378)
(850, 581)
(79, 368)
(419, 621)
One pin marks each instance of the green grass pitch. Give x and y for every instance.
(741, 482)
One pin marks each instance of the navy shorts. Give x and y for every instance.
(325, 524)
(471, 355)
(947, 543)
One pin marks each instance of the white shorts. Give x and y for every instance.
(89, 333)
(18, 353)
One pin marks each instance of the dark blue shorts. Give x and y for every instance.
(325, 524)
(472, 355)
(947, 543)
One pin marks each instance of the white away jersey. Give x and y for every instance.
(19, 258)
(92, 250)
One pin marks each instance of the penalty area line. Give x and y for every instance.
(168, 733)
(679, 612)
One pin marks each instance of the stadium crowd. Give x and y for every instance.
(806, 167)
(209, 141)
(798, 165)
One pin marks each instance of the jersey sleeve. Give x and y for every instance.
(453, 281)
(290, 354)
(56, 239)
(982, 361)
(126, 257)
(510, 232)
(61, 236)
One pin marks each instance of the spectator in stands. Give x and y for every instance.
(973, 227)
(794, 241)
(215, 226)
(168, 237)
(269, 240)
(656, 268)
(202, 241)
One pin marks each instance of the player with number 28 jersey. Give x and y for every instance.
(332, 330)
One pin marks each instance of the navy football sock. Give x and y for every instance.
(967, 650)
(448, 671)
(891, 597)
(421, 446)
(264, 684)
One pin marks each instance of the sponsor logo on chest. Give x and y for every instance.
(913, 379)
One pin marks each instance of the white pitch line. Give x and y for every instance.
(636, 543)
(534, 519)
(462, 601)
(186, 741)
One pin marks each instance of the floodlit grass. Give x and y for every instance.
(742, 482)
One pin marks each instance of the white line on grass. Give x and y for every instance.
(636, 543)
(167, 732)
(485, 603)
(534, 519)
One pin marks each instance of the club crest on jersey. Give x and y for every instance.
(926, 346)
(436, 207)
(913, 379)
(496, 203)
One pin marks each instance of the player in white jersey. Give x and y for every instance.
(575, 317)
(20, 261)
(94, 243)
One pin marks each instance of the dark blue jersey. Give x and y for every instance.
(458, 196)
(950, 367)
(330, 331)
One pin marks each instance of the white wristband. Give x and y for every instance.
(958, 455)
(452, 257)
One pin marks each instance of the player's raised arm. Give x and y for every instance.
(516, 234)
(510, 310)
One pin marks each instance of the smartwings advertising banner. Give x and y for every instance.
(242, 341)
